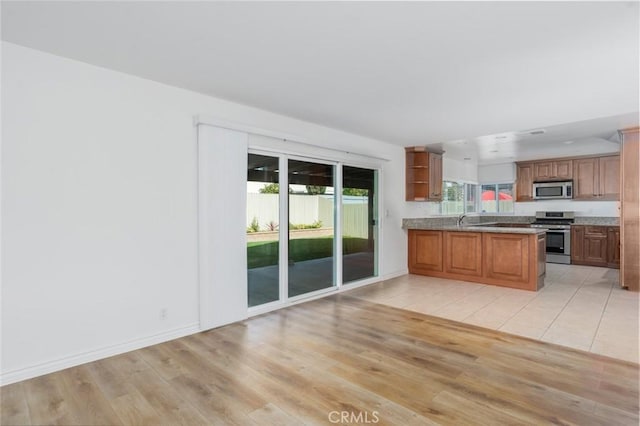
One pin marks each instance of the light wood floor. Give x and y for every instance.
(298, 365)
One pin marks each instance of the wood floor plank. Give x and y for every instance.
(336, 355)
(111, 373)
(47, 401)
(85, 399)
(133, 409)
(464, 410)
(170, 405)
(13, 405)
(271, 414)
(213, 404)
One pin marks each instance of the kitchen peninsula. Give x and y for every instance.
(495, 254)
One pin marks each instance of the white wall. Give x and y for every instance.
(581, 208)
(99, 212)
(456, 170)
(497, 173)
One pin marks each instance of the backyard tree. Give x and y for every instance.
(315, 189)
(272, 188)
(355, 191)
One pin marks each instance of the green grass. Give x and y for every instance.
(265, 253)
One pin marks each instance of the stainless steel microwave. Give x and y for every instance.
(553, 190)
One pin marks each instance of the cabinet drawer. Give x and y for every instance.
(595, 231)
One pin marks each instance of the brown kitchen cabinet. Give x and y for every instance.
(435, 176)
(595, 245)
(542, 254)
(463, 253)
(497, 258)
(577, 244)
(425, 251)
(609, 177)
(524, 182)
(629, 206)
(508, 257)
(596, 178)
(423, 175)
(613, 247)
(550, 170)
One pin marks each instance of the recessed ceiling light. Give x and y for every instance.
(495, 150)
(467, 158)
(568, 142)
(501, 137)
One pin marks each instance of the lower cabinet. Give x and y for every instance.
(595, 245)
(425, 251)
(613, 247)
(463, 253)
(507, 256)
(505, 259)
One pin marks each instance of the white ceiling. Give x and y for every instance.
(410, 73)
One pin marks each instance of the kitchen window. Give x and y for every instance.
(458, 198)
(497, 198)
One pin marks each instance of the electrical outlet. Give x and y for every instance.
(164, 312)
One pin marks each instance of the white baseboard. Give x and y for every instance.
(9, 377)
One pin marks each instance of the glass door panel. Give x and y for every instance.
(311, 231)
(359, 223)
(262, 229)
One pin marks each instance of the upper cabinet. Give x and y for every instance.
(435, 176)
(553, 170)
(597, 178)
(594, 178)
(423, 175)
(524, 182)
(609, 175)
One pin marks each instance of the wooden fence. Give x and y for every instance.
(307, 209)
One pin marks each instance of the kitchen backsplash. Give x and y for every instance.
(597, 220)
(581, 208)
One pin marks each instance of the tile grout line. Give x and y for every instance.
(531, 301)
(516, 313)
(534, 298)
(562, 310)
(601, 315)
(458, 300)
(479, 309)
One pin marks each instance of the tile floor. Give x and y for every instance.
(580, 307)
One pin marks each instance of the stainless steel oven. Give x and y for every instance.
(558, 227)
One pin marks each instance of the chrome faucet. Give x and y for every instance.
(460, 218)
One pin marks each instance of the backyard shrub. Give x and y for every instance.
(255, 226)
(315, 225)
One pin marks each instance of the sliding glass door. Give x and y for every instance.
(359, 223)
(263, 240)
(311, 226)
